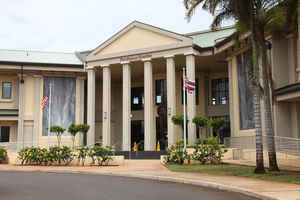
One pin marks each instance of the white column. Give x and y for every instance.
(91, 107)
(231, 105)
(171, 99)
(20, 137)
(191, 101)
(292, 66)
(81, 107)
(37, 109)
(150, 137)
(106, 122)
(126, 107)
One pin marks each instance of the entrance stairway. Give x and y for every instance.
(141, 155)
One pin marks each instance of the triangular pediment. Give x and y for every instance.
(137, 36)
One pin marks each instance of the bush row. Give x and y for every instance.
(64, 155)
(3, 155)
(206, 151)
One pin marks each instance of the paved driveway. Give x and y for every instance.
(44, 186)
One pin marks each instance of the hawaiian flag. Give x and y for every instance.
(190, 85)
(44, 101)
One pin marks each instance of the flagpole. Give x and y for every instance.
(184, 110)
(49, 113)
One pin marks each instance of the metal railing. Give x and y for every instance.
(286, 145)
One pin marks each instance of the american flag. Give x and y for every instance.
(190, 85)
(44, 101)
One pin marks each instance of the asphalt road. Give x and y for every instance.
(52, 186)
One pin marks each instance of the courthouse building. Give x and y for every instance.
(128, 88)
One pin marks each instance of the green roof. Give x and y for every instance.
(20, 56)
(210, 38)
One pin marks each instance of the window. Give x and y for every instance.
(137, 98)
(219, 91)
(6, 90)
(4, 133)
(160, 92)
(245, 67)
(196, 92)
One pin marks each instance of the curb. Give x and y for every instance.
(205, 184)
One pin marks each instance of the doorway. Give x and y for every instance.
(4, 133)
(137, 134)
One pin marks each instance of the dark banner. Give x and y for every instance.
(63, 95)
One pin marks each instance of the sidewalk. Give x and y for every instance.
(150, 169)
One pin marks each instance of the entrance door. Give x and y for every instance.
(4, 133)
(137, 134)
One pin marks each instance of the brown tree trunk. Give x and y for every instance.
(267, 79)
(256, 92)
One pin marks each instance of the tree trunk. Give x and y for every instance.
(269, 131)
(298, 41)
(256, 89)
(256, 108)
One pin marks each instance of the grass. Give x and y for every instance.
(240, 171)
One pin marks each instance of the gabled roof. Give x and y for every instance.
(144, 26)
(210, 38)
(39, 57)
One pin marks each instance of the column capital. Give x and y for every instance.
(105, 65)
(37, 76)
(190, 54)
(20, 75)
(125, 62)
(169, 56)
(81, 77)
(90, 67)
(147, 59)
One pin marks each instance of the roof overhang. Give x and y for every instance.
(288, 93)
(9, 112)
(41, 67)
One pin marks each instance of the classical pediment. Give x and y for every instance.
(137, 36)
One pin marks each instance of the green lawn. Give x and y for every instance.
(235, 170)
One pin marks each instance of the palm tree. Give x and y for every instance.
(298, 41)
(257, 16)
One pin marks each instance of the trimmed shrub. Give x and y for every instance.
(73, 130)
(101, 155)
(176, 154)
(59, 131)
(42, 156)
(211, 151)
(3, 155)
(82, 153)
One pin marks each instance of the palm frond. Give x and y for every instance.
(220, 18)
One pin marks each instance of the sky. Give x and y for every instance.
(76, 25)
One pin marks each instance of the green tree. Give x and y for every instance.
(200, 122)
(83, 128)
(179, 120)
(59, 131)
(258, 17)
(73, 129)
(218, 124)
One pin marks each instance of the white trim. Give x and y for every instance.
(139, 25)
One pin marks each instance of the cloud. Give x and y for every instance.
(70, 25)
